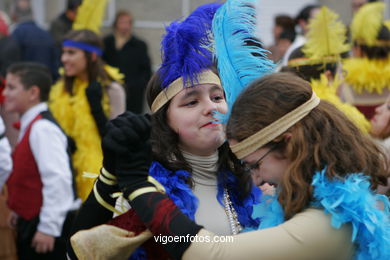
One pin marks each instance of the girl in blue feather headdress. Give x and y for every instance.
(192, 160)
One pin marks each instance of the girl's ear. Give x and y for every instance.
(93, 56)
(284, 137)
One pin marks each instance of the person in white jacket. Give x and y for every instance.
(5, 156)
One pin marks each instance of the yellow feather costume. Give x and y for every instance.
(372, 76)
(74, 115)
(325, 41)
(366, 23)
(89, 15)
(326, 36)
(328, 92)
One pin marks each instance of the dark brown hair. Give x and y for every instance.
(165, 143)
(378, 52)
(33, 74)
(325, 138)
(95, 68)
(309, 72)
(285, 21)
(118, 15)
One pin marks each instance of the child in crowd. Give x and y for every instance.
(41, 194)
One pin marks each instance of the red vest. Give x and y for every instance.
(25, 184)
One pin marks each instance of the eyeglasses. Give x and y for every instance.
(254, 166)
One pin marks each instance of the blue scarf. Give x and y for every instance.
(181, 194)
(348, 201)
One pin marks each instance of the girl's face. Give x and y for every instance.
(266, 165)
(75, 62)
(380, 123)
(190, 115)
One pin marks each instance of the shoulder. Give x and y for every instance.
(114, 88)
(108, 38)
(44, 128)
(137, 41)
(316, 227)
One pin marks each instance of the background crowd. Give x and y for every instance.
(61, 86)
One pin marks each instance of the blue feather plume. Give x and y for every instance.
(239, 55)
(186, 46)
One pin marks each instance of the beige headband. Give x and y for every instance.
(270, 132)
(206, 77)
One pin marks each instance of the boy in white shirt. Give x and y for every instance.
(40, 186)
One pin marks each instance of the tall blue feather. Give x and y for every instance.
(186, 46)
(239, 55)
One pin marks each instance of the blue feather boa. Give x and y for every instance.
(348, 201)
(181, 194)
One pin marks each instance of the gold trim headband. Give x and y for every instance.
(206, 77)
(270, 132)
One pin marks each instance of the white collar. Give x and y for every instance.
(29, 115)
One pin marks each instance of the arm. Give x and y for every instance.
(127, 138)
(308, 235)
(48, 145)
(94, 212)
(94, 93)
(117, 97)
(145, 66)
(5, 156)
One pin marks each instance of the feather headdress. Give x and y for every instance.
(367, 23)
(326, 40)
(240, 57)
(186, 47)
(90, 15)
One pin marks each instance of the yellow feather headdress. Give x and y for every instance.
(90, 15)
(326, 40)
(367, 23)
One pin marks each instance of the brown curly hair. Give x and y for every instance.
(165, 143)
(323, 138)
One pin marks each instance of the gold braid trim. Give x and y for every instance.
(157, 188)
(276, 128)
(102, 202)
(206, 77)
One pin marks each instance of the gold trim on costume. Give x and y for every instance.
(157, 188)
(108, 174)
(103, 202)
(206, 77)
(267, 134)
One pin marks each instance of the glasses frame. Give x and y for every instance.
(248, 168)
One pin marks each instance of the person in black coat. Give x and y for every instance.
(130, 54)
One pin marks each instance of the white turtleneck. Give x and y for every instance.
(210, 213)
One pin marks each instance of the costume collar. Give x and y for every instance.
(29, 116)
(204, 168)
